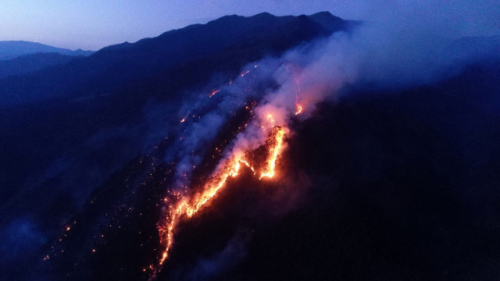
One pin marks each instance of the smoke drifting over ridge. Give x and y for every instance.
(388, 54)
(291, 86)
(404, 44)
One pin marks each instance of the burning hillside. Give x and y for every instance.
(252, 143)
(277, 156)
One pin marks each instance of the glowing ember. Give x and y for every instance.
(213, 93)
(245, 73)
(183, 120)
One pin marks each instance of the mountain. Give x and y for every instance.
(56, 123)
(12, 49)
(31, 63)
(112, 87)
(119, 66)
(253, 148)
(333, 23)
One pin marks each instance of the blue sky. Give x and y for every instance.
(93, 24)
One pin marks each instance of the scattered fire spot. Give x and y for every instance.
(298, 109)
(213, 93)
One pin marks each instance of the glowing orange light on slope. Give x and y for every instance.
(213, 187)
(213, 93)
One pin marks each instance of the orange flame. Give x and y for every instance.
(213, 187)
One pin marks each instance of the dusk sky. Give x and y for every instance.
(93, 24)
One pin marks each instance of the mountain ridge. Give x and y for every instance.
(114, 99)
(13, 49)
(119, 66)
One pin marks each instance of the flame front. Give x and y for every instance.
(213, 187)
(274, 143)
(185, 208)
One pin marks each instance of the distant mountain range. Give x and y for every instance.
(13, 49)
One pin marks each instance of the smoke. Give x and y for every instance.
(207, 268)
(414, 44)
(20, 244)
(19, 238)
(199, 123)
(401, 51)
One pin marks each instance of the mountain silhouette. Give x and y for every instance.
(12, 49)
(229, 40)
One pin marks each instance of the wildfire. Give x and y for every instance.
(187, 209)
(213, 187)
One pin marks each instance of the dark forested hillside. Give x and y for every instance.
(124, 65)
(13, 49)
